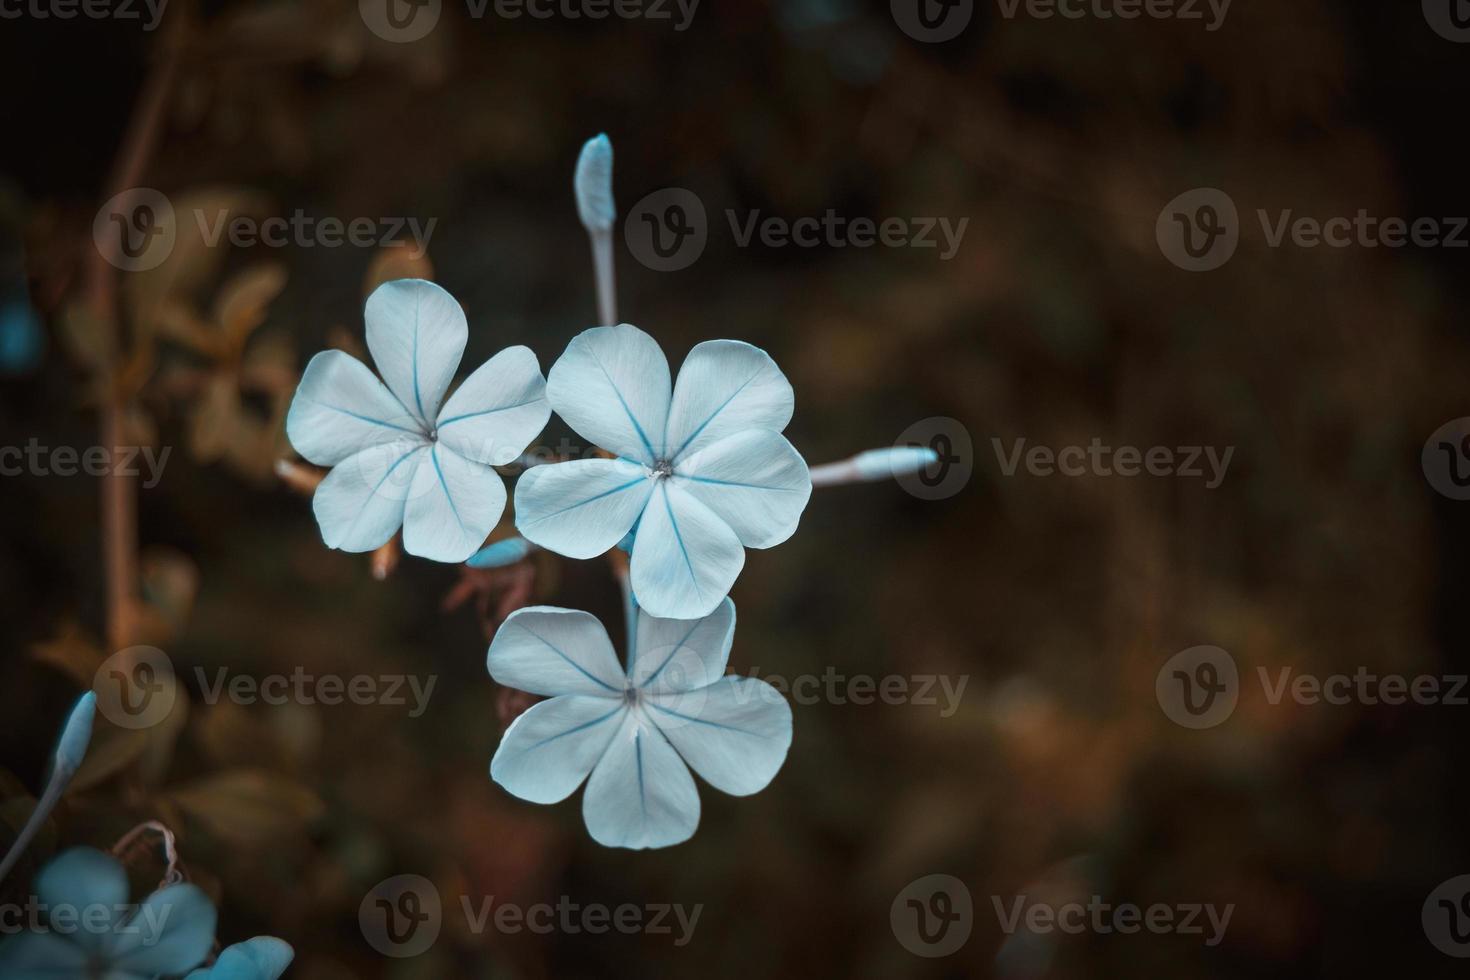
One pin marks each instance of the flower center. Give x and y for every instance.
(663, 469)
(631, 695)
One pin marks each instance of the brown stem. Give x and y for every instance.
(119, 493)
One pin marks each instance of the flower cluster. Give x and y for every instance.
(688, 473)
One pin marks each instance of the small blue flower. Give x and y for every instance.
(261, 958)
(94, 933)
(702, 470)
(398, 458)
(636, 732)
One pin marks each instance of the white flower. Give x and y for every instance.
(638, 732)
(398, 457)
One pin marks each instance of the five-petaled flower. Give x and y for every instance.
(400, 459)
(702, 471)
(638, 731)
(95, 933)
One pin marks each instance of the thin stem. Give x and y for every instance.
(607, 288)
(834, 474)
(119, 493)
(630, 604)
(44, 806)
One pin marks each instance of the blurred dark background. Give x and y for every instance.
(1058, 320)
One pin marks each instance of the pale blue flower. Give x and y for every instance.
(634, 734)
(261, 958)
(702, 469)
(400, 459)
(93, 932)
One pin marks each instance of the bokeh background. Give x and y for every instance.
(1059, 320)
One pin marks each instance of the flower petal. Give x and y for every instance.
(640, 794)
(725, 387)
(755, 480)
(547, 751)
(80, 877)
(552, 651)
(261, 958)
(42, 956)
(684, 558)
(360, 503)
(734, 733)
(453, 504)
(171, 933)
(680, 654)
(416, 332)
(340, 408)
(612, 386)
(581, 508)
(498, 410)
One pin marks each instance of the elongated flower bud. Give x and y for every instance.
(593, 185)
(76, 735)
